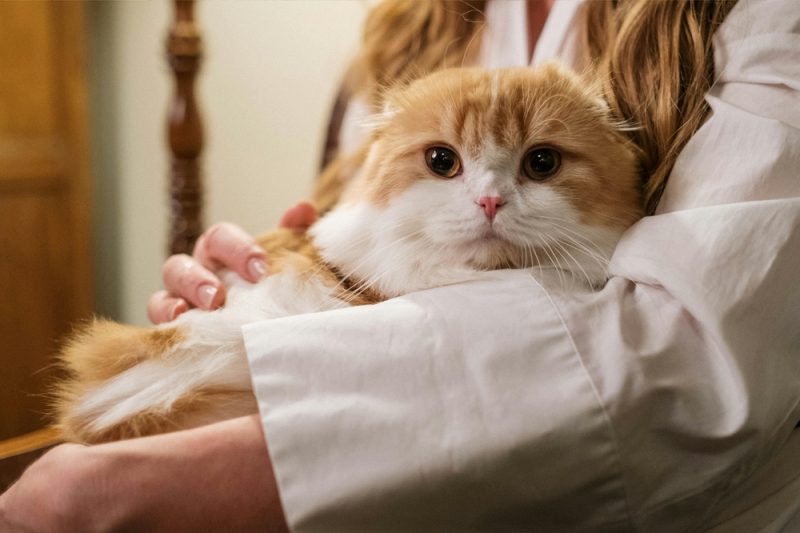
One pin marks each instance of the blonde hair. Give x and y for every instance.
(407, 39)
(654, 59)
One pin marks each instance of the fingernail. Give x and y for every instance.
(256, 267)
(177, 310)
(206, 294)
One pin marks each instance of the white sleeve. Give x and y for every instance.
(441, 410)
(498, 405)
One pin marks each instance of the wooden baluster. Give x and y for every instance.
(184, 51)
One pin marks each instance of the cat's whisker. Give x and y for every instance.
(538, 262)
(577, 263)
(529, 254)
(554, 221)
(364, 286)
(553, 262)
(587, 246)
(535, 255)
(601, 260)
(595, 257)
(568, 274)
(374, 252)
(357, 243)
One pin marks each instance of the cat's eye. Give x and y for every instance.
(541, 163)
(443, 161)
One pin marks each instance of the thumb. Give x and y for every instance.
(299, 216)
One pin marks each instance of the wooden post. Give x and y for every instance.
(184, 51)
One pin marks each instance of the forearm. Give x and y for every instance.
(218, 477)
(214, 478)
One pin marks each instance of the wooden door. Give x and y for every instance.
(45, 281)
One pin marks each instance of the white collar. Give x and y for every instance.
(505, 38)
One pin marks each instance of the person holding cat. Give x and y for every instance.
(664, 401)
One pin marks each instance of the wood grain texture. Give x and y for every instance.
(18, 453)
(184, 50)
(45, 237)
(30, 442)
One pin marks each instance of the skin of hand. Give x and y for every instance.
(190, 281)
(214, 478)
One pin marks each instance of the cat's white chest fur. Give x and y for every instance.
(387, 249)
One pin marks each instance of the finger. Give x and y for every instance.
(186, 278)
(229, 246)
(299, 216)
(163, 307)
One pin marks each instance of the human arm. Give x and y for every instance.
(214, 478)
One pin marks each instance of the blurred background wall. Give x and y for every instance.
(267, 83)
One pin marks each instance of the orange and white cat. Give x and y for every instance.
(467, 170)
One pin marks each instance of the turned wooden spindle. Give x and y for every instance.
(184, 51)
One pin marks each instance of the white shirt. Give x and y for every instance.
(664, 402)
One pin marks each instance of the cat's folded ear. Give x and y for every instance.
(377, 121)
(587, 80)
(596, 86)
(555, 73)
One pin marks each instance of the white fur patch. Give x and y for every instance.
(212, 355)
(387, 249)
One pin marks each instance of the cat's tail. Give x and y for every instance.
(126, 381)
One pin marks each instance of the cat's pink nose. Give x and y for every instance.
(490, 205)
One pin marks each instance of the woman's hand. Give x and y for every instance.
(45, 499)
(213, 478)
(191, 281)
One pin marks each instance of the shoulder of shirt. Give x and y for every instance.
(749, 18)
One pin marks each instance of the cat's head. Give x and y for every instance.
(479, 169)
